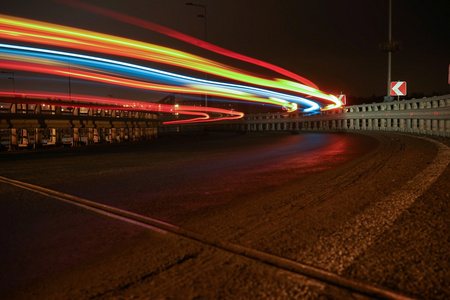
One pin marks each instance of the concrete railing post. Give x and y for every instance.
(421, 126)
(447, 128)
(434, 127)
(428, 126)
(441, 128)
(13, 140)
(376, 125)
(408, 125)
(113, 135)
(91, 136)
(395, 125)
(76, 137)
(401, 126)
(414, 126)
(383, 124)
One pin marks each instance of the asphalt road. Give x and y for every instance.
(312, 198)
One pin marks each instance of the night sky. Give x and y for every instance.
(333, 43)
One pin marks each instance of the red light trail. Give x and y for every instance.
(109, 71)
(185, 38)
(57, 99)
(24, 30)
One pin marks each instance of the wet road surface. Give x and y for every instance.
(272, 193)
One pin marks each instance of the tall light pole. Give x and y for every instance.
(204, 33)
(390, 46)
(389, 52)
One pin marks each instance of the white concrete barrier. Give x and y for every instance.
(425, 116)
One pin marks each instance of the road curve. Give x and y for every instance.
(299, 215)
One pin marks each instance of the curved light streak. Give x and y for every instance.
(185, 38)
(54, 70)
(26, 30)
(203, 114)
(200, 86)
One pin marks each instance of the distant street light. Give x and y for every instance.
(13, 80)
(204, 33)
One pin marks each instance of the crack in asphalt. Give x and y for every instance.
(144, 277)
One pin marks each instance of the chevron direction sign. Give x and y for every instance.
(398, 88)
(343, 99)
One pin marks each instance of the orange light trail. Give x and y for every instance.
(56, 35)
(199, 90)
(185, 38)
(203, 113)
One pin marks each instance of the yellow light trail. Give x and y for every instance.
(41, 32)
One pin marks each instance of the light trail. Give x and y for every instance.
(55, 70)
(40, 32)
(203, 114)
(185, 38)
(58, 59)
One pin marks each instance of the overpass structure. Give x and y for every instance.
(34, 125)
(424, 116)
(25, 125)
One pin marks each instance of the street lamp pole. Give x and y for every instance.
(390, 46)
(390, 51)
(204, 34)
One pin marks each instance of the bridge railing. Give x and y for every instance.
(25, 125)
(31, 125)
(424, 116)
